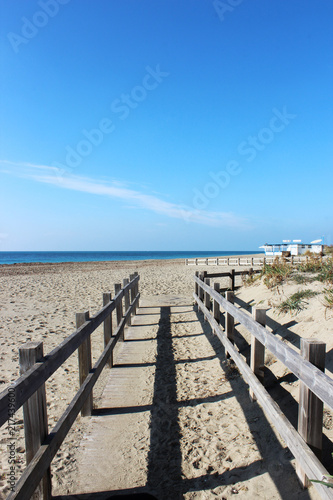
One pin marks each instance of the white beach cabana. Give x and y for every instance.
(294, 247)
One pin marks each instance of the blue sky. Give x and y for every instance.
(165, 124)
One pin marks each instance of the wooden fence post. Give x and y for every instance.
(132, 276)
(137, 291)
(257, 361)
(107, 326)
(126, 302)
(232, 280)
(84, 352)
(310, 410)
(216, 305)
(229, 320)
(196, 286)
(35, 416)
(126, 294)
(201, 292)
(207, 296)
(119, 306)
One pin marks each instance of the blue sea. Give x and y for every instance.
(51, 257)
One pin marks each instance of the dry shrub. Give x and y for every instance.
(275, 274)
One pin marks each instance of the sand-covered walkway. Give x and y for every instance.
(175, 419)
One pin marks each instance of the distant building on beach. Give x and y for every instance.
(295, 247)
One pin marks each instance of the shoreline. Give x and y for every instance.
(22, 258)
(125, 261)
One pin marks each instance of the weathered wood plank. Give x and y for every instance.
(257, 361)
(107, 327)
(232, 280)
(207, 295)
(126, 298)
(310, 410)
(216, 305)
(136, 291)
(201, 292)
(196, 284)
(84, 354)
(319, 383)
(132, 294)
(218, 275)
(119, 308)
(229, 320)
(301, 451)
(227, 274)
(35, 416)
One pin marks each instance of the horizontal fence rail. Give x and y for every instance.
(319, 383)
(238, 261)
(309, 375)
(232, 275)
(34, 379)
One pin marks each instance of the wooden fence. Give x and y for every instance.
(237, 261)
(29, 389)
(316, 388)
(232, 274)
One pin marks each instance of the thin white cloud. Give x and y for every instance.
(3, 236)
(50, 175)
(25, 165)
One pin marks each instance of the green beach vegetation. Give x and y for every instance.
(296, 302)
(282, 271)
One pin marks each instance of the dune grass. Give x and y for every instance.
(314, 268)
(328, 299)
(312, 264)
(276, 273)
(326, 272)
(250, 278)
(302, 279)
(296, 302)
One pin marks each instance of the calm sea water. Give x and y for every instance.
(24, 257)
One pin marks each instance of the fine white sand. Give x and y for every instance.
(39, 302)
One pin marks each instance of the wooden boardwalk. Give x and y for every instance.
(119, 431)
(176, 421)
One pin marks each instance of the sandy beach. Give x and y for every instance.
(39, 302)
